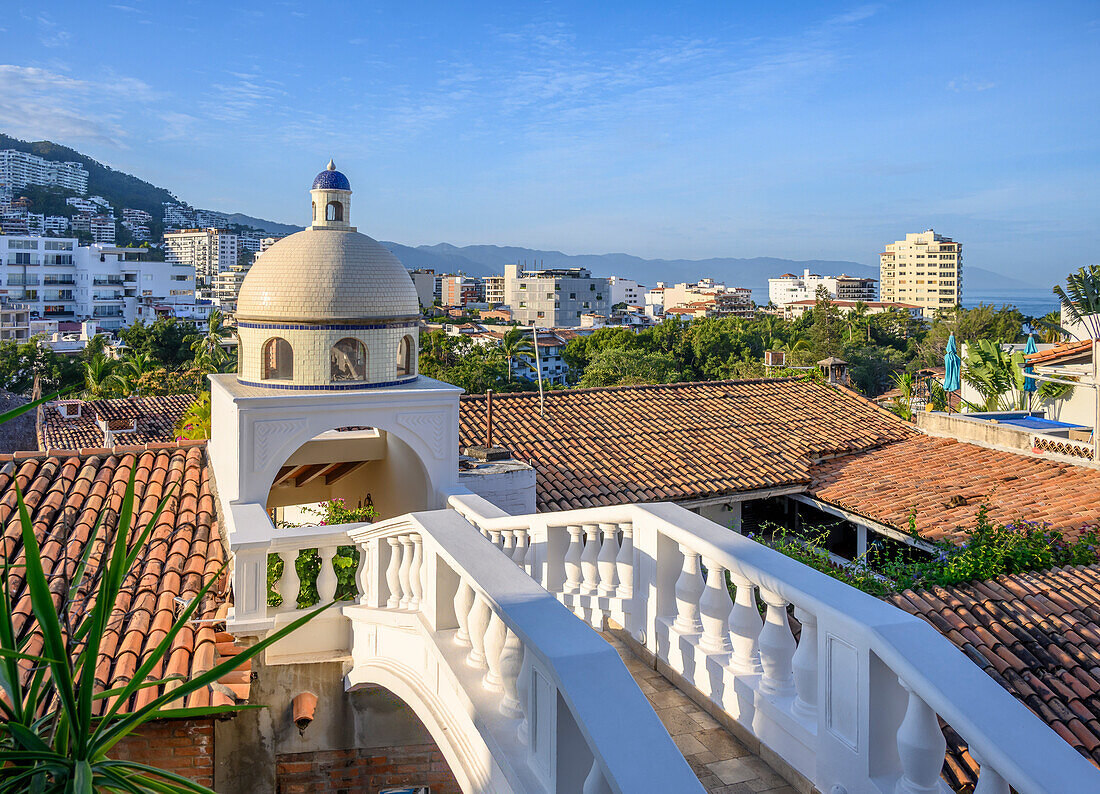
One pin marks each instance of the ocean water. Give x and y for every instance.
(1031, 302)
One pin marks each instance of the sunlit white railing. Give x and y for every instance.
(855, 702)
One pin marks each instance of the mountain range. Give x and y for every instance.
(125, 190)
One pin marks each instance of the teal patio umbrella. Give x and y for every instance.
(1030, 384)
(952, 370)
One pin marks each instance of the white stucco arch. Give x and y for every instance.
(255, 430)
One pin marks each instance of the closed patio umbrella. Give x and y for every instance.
(952, 370)
(1030, 384)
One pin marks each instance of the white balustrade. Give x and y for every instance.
(519, 549)
(477, 625)
(508, 544)
(777, 647)
(326, 576)
(573, 560)
(416, 582)
(624, 562)
(404, 578)
(495, 637)
(989, 781)
(393, 573)
(605, 560)
(804, 664)
(463, 604)
(921, 748)
(745, 626)
(511, 661)
(689, 587)
(529, 555)
(289, 583)
(594, 782)
(590, 572)
(714, 610)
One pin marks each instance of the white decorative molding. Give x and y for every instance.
(430, 427)
(842, 690)
(270, 436)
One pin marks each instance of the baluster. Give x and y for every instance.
(519, 550)
(776, 647)
(745, 625)
(594, 783)
(804, 664)
(289, 583)
(529, 555)
(509, 544)
(478, 623)
(393, 575)
(714, 608)
(689, 586)
(573, 560)
(605, 562)
(403, 571)
(511, 660)
(363, 572)
(495, 637)
(989, 779)
(589, 570)
(495, 537)
(464, 602)
(416, 579)
(326, 576)
(624, 563)
(921, 747)
(523, 686)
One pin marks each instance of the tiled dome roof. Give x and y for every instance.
(331, 179)
(322, 275)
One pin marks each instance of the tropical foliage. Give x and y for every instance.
(195, 422)
(58, 729)
(1081, 298)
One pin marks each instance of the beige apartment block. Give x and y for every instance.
(924, 269)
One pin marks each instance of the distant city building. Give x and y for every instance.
(56, 279)
(267, 242)
(925, 269)
(227, 286)
(56, 225)
(424, 280)
(210, 219)
(790, 288)
(208, 251)
(494, 290)
(178, 216)
(251, 241)
(796, 309)
(461, 291)
(554, 297)
(137, 223)
(626, 290)
(14, 321)
(102, 228)
(81, 204)
(705, 298)
(19, 169)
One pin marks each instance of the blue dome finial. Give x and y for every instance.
(331, 179)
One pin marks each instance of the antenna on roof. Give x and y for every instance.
(538, 369)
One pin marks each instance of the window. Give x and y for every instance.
(348, 360)
(405, 356)
(314, 210)
(334, 211)
(278, 359)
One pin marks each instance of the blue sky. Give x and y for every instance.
(801, 130)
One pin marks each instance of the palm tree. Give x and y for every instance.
(1081, 298)
(902, 404)
(100, 379)
(130, 370)
(1049, 327)
(209, 354)
(195, 422)
(856, 320)
(997, 376)
(515, 343)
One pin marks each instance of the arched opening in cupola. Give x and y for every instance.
(405, 363)
(334, 211)
(278, 359)
(348, 361)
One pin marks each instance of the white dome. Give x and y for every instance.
(321, 275)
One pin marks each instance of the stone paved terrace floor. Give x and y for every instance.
(724, 765)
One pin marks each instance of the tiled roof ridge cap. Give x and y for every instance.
(872, 404)
(638, 387)
(86, 452)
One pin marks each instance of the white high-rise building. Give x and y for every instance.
(56, 279)
(19, 169)
(628, 291)
(208, 251)
(924, 269)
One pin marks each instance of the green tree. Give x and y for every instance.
(622, 368)
(22, 362)
(995, 375)
(195, 422)
(100, 380)
(515, 343)
(209, 353)
(1081, 298)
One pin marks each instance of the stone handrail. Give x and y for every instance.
(861, 670)
(518, 654)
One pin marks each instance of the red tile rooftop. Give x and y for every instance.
(1062, 351)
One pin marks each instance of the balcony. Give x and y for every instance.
(476, 618)
(111, 280)
(48, 312)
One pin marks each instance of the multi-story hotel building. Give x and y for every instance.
(209, 251)
(923, 269)
(19, 169)
(554, 298)
(790, 288)
(494, 290)
(53, 278)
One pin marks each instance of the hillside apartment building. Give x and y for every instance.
(19, 169)
(790, 288)
(208, 251)
(925, 268)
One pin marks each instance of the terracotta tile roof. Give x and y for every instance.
(1063, 350)
(679, 441)
(156, 419)
(947, 481)
(1038, 636)
(66, 494)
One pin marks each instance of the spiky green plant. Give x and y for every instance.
(57, 731)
